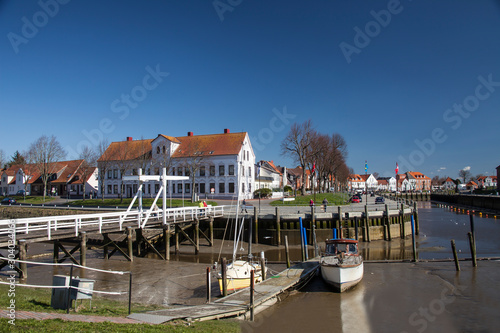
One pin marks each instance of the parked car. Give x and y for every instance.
(22, 193)
(8, 201)
(355, 199)
(379, 200)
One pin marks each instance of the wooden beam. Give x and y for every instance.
(68, 254)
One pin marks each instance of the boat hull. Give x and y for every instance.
(342, 277)
(238, 275)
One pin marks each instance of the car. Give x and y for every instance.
(8, 201)
(22, 193)
(379, 200)
(355, 199)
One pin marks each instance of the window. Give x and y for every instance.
(115, 189)
(249, 171)
(110, 174)
(115, 173)
(110, 189)
(221, 170)
(179, 188)
(173, 171)
(149, 188)
(157, 171)
(157, 188)
(231, 170)
(212, 170)
(187, 188)
(242, 187)
(158, 149)
(202, 187)
(242, 171)
(164, 150)
(222, 187)
(179, 171)
(202, 170)
(134, 172)
(212, 186)
(231, 187)
(187, 172)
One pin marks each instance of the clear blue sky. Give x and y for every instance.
(258, 66)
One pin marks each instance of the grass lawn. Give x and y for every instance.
(38, 300)
(30, 199)
(146, 202)
(333, 199)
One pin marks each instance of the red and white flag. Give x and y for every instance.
(397, 168)
(314, 167)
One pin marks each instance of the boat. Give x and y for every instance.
(238, 272)
(341, 264)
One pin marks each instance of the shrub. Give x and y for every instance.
(263, 192)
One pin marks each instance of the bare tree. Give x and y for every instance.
(46, 153)
(29, 170)
(465, 174)
(103, 163)
(296, 145)
(89, 163)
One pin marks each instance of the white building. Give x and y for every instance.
(221, 165)
(386, 184)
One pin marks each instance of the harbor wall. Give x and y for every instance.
(478, 201)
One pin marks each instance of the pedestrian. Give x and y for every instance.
(311, 203)
(325, 203)
(244, 206)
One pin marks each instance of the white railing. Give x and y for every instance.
(49, 224)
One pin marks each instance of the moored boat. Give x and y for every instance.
(238, 275)
(341, 264)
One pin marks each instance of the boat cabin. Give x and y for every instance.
(337, 246)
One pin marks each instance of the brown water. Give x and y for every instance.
(405, 297)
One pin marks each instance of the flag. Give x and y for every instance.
(366, 166)
(397, 168)
(314, 167)
(258, 169)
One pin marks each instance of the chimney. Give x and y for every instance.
(190, 133)
(226, 130)
(129, 138)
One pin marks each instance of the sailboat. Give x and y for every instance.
(238, 271)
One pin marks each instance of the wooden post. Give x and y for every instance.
(278, 227)
(211, 226)
(389, 238)
(105, 247)
(256, 225)
(55, 257)
(413, 239)
(472, 249)
(339, 210)
(23, 250)
(197, 236)
(252, 287)
(209, 285)
(130, 243)
(402, 221)
(263, 265)
(138, 240)
(356, 226)
(315, 244)
(224, 277)
(367, 224)
(176, 239)
(83, 248)
(166, 241)
(287, 253)
(415, 215)
(313, 218)
(454, 249)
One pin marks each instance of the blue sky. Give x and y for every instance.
(413, 82)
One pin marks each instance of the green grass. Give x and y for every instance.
(146, 202)
(57, 325)
(333, 199)
(30, 199)
(38, 300)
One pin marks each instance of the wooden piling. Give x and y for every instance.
(278, 227)
(105, 247)
(138, 241)
(402, 221)
(23, 251)
(356, 226)
(287, 253)
(256, 225)
(313, 217)
(55, 257)
(211, 226)
(388, 222)
(263, 265)
(196, 236)
(415, 216)
(224, 277)
(472, 249)
(209, 285)
(252, 291)
(367, 224)
(454, 249)
(83, 248)
(315, 244)
(176, 239)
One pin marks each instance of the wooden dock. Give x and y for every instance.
(238, 303)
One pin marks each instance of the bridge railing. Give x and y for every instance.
(96, 222)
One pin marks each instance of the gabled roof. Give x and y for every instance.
(70, 169)
(210, 145)
(169, 138)
(417, 175)
(126, 150)
(383, 181)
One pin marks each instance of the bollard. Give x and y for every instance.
(209, 284)
(287, 253)
(472, 249)
(413, 239)
(263, 265)
(278, 227)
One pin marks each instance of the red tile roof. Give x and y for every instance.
(210, 145)
(126, 150)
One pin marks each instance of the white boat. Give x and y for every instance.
(238, 272)
(341, 264)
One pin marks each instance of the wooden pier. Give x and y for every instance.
(238, 304)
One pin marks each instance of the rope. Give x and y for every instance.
(66, 287)
(57, 264)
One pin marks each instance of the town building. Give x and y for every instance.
(386, 184)
(219, 165)
(487, 182)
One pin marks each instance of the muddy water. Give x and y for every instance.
(405, 297)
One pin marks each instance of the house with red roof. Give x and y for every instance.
(418, 181)
(269, 176)
(356, 182)
(220, 165)
(485, 182)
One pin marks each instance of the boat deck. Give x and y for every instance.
(237, 304)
